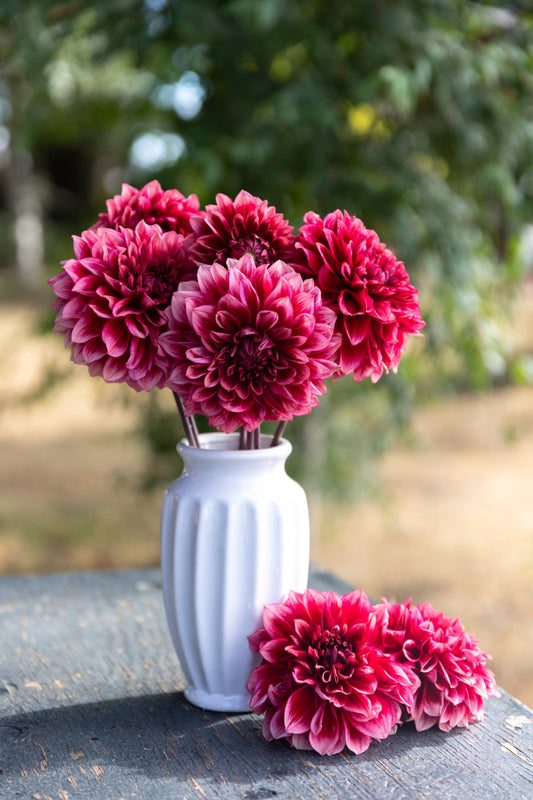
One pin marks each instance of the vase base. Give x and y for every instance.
(217, 702)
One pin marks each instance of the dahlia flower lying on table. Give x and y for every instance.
(244, 320)
(338, 672)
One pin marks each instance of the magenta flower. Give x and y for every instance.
(454, 680)
(248, 343)
(112, 297)
(369, 290)
(244, 226)
(323, 684)
(168, 209)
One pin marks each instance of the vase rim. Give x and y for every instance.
(228, 443)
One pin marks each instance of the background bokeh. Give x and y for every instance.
(417, 117)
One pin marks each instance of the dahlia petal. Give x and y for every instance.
(256, 639)
(238, 311)
(135, 325)
(75, 269)
(113, 371)
(299, 710)
(424, 722)
(277, 619)
(326, 735)
(93, 350)
(266, 320)
(247, 292)
(352, 301)
(300, 741)
(198, 355)
(62, 285)
(356, 329)
(242, 390)
(73, 309)
(384, 723)
(278, 691)
(96, 368)
(276, 724)
(383, 311)
(365, 685)
(272, 649)
(284, 309)
(266, 731)
(356, 741)
(116, 337)
(303, 629)
(87, 284)
(76, 353)
(86, 328)
(122, 307)
(454, 717)
(137, 362)
(100, 307)
(301, 672)
(359, 706)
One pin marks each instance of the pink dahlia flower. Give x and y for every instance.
(111, 301)
(168, 209)
(454, 680)
(323, 684)
(369, 290)
(244, 226)
(248, 343)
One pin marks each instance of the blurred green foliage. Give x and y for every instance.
(416, 115)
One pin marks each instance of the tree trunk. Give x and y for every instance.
(25, 198)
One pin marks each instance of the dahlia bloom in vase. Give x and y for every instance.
(169, 209)
(244, 226)
(246, 341)
(376, 307)
(112, 299)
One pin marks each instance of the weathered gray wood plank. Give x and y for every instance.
(91, 707)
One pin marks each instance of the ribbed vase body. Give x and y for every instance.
(234, 537)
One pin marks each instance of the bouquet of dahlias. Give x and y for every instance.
(241, 317)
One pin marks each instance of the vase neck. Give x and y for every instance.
(219, 453)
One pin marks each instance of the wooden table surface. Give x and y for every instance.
(92, 707)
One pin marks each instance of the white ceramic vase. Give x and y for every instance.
(234, 537)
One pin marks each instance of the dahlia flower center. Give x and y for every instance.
(250, 356)
(160, 281)
(254, 246)
(332, 654)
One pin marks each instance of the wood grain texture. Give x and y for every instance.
(92, 707)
